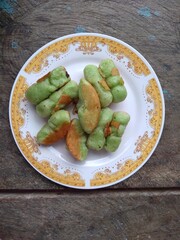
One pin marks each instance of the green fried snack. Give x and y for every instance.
(93, 76)
(97, 138)
(89, 107)
(46, 85)
(117, 128)
(58, 100)
(76, 140)
(56, 128)
(109, 71)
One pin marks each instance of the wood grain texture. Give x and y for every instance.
(150, 27)
(116, 216)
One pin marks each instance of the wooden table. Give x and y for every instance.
(145, 206)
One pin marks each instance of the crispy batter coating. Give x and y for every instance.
(89, 107)
(46, 85)
(56, 128)
(76, 140)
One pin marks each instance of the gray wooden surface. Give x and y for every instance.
(98, 215)
(146, 205)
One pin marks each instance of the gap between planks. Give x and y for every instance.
(25, 194)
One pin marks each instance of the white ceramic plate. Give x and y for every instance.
(144, 103)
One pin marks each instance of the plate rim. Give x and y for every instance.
(147, 64)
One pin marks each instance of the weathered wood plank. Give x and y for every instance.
(96, 215)
(152, 28)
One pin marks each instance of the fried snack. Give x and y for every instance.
(117, 128)
(58, 100)
(89, 107)
(109, 71)
(56, 128)
(97, 138)
(46, 85)
(76, 140)
(93, 76)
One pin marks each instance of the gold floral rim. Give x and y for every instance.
(88, 44)
(145, 144)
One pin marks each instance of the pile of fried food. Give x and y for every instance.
(97, 126)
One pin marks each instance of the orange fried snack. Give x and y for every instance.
(76, 140)
(89, 106)
(55, 129)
